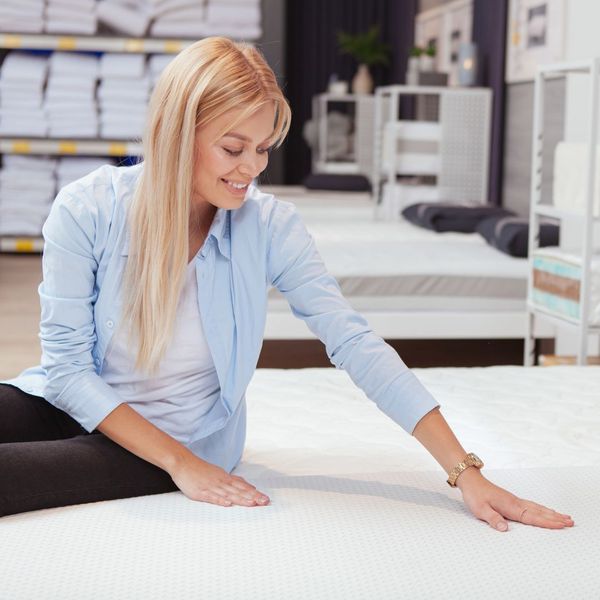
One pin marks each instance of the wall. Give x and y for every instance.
(582, 41)
(518, 133)
(272, 45)
(427, 4)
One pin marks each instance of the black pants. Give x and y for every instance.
(47, 459)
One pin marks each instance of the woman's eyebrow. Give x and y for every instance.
(239, 136)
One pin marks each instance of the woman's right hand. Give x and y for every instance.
(203, 481)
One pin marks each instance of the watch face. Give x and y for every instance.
(477, 462)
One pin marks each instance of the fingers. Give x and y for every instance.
(547, 510)
(493, 518)
(526, 512)
(531, 513)
(243, 493)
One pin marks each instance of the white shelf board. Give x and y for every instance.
(558, 319)
(92, 147)
(426, 324)
(545, 210)
(24, 244)
(92, 43)
(340, 168)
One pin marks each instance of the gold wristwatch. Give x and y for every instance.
(471, 460)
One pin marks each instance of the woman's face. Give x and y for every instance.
(233, 160)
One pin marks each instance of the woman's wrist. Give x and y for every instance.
(175, 460)
(470, 476)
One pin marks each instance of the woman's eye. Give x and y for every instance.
(238, 152)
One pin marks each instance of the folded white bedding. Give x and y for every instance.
(123, 131)
(78, 5)
(83, 27)
(134, 97)
(13, 99)
(74, 64)
(121, 65)
(239, 14)
(176, 29)
(26, 127)
(22, 25)
(166, 7)
(11, 11)
(68, 14)
(24, 66)
(195, 13)
(19, 161)
(123, 18)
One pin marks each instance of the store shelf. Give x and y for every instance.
(584, 247)
(22, 245)
(545, 210)
(94, 147)
(93, 43)
(558, 319)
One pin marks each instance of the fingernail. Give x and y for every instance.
(502, 526)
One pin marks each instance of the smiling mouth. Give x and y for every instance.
(234, 185)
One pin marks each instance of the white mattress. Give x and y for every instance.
(358, 508)
(399, 266)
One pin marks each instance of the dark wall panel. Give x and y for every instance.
(312, 56)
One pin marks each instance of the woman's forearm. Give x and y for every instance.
(435, 434)
(129, 429)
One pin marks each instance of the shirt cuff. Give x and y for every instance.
(88, 399)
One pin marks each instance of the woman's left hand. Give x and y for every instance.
(496, 505)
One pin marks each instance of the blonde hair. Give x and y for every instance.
(207, 79)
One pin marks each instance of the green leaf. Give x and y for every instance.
(365, 47)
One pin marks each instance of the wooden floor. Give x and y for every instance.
(20, 275)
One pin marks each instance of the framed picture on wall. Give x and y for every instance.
(535, 35)
(445, 27)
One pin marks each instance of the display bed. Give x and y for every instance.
(358, 508)
(410, 283)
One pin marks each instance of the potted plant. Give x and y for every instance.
(368, 50)
(414, 65)
(427, 58)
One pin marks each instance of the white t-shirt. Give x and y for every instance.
(186, 385)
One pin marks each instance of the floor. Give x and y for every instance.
(20, 275)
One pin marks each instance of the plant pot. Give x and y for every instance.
(426, 62)
(362, 82)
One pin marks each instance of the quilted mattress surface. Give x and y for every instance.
(359, 509)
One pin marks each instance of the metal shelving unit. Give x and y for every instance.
(65, 147)
(587, 221)
(361, 128)
(75, 147)
(90, 43)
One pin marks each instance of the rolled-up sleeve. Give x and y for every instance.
(296, 269)
(67, 296)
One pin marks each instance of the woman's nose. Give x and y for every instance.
(252, 168)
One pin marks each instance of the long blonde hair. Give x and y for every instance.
(207, 79)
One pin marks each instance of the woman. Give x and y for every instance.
(153, 305)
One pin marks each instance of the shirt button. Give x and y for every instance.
(97, 361)
(109, 324)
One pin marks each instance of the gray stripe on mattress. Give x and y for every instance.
(420, 285)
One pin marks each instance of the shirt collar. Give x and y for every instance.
(219, 231)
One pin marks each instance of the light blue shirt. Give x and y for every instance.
(261, 244)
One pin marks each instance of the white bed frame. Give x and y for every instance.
(425, 325)
(406, 324)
